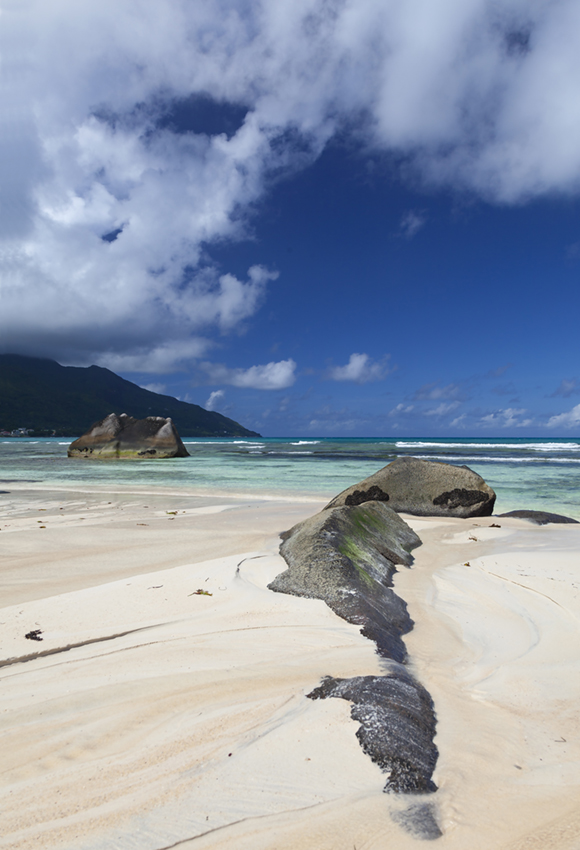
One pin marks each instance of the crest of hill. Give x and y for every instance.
(41, 394)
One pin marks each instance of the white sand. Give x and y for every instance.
(181, 719)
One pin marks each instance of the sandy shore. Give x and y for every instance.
(155, 716)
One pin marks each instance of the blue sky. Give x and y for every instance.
(318, 218)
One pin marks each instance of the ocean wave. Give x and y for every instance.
(290, 453)
(306, 443)
(538, 447)
(221, 443)
(497, 459)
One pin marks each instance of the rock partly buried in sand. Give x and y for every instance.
(397, 726)
(423, 488)
(541, 517)
(125, 437)
(347, 557)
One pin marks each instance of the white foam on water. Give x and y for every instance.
(475, 458)
(538, 447)
(306, 443)
(291, 453)
(221, 443)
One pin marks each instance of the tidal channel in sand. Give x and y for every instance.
(157, 716)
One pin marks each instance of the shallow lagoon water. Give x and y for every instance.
(525, 473)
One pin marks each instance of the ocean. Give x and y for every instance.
(525, 473)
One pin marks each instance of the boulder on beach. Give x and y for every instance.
(347, 556)
(125, 437)
(423, 488)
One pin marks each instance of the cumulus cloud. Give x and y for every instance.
(360, 369)
(271, 376)
(571, 419)
(214, 400)
(115, 187)
(508, 418)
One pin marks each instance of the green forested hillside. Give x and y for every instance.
(43, 395)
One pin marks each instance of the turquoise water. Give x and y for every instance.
(525, 473)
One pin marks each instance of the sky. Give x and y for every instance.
(318, 217)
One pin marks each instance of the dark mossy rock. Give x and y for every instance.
(347, 557)
(397, 725)
(125, 437)
(541, 517)
(423, 488)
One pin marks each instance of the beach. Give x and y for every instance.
(166, 703)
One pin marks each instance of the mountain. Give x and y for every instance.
(45, 396)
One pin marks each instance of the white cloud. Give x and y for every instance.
(214, 400)
(442, 409)
(475, 95)
(401, 408)
(508, 418)
(271, 376)
(458, 422)
(158, 358)
(360, 369)
(571, 419)
(155, 388)
(411, 223)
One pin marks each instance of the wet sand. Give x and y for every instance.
(156, 716)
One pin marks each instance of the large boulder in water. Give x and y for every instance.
(125, 437)
(423, 488)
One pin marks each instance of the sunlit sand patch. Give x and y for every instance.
(125, 742)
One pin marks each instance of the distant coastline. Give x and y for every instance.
(45, 399)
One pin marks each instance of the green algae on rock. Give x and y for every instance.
(347, 556)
